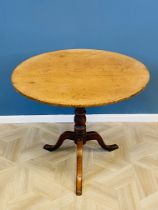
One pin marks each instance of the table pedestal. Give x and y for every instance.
(80, 137)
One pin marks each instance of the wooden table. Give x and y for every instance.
(80, 78)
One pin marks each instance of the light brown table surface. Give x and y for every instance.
(80, 77)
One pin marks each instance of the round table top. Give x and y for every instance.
(80, 77)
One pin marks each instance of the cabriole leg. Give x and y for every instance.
(92, 135)
(66, 135)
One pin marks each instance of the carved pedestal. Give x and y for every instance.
(80, 137)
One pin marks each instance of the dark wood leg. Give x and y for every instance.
(92, 135)
(66, 135)
(80, 137)
(79, 167)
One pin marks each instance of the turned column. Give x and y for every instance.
(80, 125)
(80, 139)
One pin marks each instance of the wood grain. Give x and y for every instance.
(80, 77)
(79, 167)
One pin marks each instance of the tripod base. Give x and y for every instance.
(80, 137)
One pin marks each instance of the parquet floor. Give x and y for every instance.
(34, 179)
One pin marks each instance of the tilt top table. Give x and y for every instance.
(80, 78)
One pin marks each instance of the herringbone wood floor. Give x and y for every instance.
(32, 178)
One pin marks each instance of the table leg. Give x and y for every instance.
(66, 135)
(79, 144)
(80, 137)
(92, 135)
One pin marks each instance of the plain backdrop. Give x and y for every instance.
(31, 27)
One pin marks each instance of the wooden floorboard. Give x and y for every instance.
(32, 178)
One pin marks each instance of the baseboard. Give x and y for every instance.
(69, 118)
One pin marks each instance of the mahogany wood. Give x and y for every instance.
(66, 135)
(80, 137)
(92, 135)
(79, 167)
